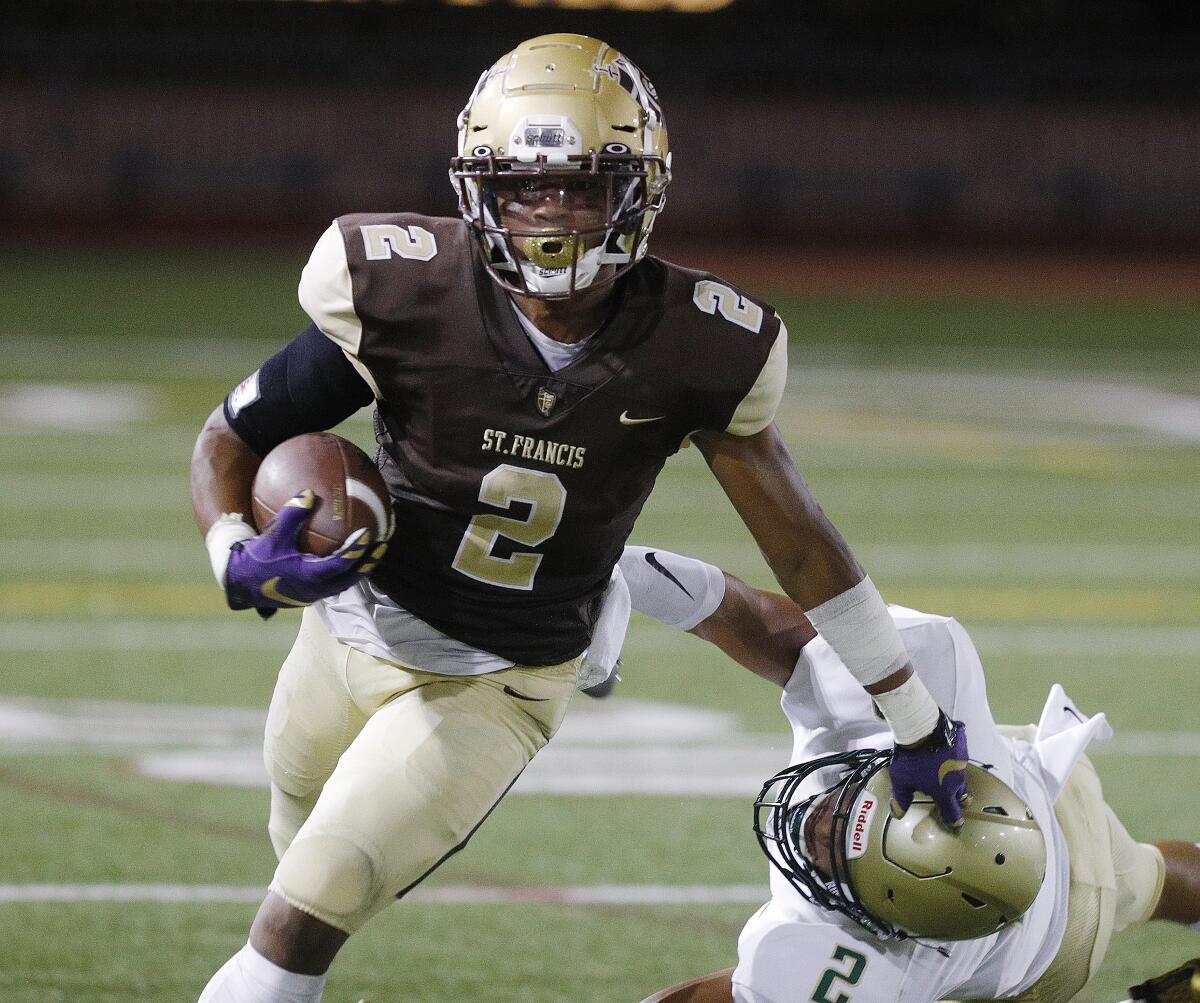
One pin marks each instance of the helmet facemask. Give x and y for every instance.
(783, 816)
(620, 192)
(839, 846)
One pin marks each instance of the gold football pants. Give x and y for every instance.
(379, 772)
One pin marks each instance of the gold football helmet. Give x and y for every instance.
(562, 165)
(841, 848)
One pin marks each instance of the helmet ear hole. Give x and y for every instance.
(931, 882)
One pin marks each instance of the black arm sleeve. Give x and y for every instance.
(307, 386)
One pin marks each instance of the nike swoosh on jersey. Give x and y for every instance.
(626, 420)
(521, 696)
(271, 591)
(657, 566)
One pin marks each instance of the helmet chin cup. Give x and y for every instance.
(554, 279)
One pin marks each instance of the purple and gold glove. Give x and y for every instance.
(269, 571)
(936, 766)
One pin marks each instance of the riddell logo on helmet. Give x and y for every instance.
(860, 826)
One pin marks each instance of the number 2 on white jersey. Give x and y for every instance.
(544, 494)
(831, 975)
(712, 297)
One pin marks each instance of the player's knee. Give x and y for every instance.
(330, 877)
(288, 813)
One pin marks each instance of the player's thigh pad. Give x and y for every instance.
(311, 722)
(1140, 872)
(1081, 812)
(422, 775)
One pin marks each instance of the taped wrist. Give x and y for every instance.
(910, 710)
(231, 528)
(859, 629)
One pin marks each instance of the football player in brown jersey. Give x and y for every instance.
(532, 369)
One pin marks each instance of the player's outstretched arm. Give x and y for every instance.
(816, 568)
(762, 631)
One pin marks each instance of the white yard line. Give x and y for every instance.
(168, 359)
(582, 895)
(907, 494)
(78, 407)
(1017, 398)
(168, 636)
(617, 747)
(1093, 561)
(247, 634)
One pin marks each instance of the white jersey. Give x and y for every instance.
(792, 949)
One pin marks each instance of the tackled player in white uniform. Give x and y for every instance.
(1037, 882)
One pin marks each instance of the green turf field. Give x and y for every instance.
(1031, 468)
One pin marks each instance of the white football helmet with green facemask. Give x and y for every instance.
(565, 119)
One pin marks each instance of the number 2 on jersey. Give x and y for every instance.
(851, 976)
(712, 297)
(544, 494)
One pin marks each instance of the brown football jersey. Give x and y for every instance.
(516, 487)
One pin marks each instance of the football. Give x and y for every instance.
(350, 491)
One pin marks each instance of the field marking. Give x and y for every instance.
(580, 895)
(77, 407)
(168, 636)
(959, 560)
(910, 493)
(1084, 400)
(1014, 398)
(1025, 562)
(616, 747)
(168, 359)
(245, 634)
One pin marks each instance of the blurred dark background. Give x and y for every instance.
(1069, 124)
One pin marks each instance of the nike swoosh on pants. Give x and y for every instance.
(521, 696)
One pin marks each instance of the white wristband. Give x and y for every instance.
(861, 632)
(909, 709)
(231, 528)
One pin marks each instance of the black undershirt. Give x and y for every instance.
(307, 386)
